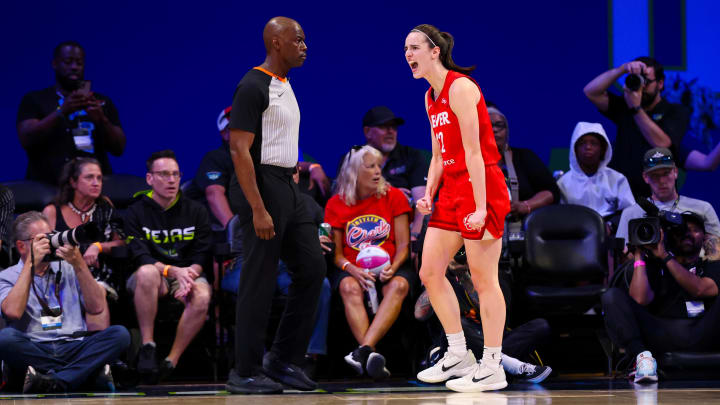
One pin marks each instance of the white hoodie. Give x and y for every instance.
(607, 191)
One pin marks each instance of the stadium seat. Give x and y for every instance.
(120, 188)
(31, 195)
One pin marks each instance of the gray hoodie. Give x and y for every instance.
(607, 191)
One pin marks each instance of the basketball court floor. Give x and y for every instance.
(587, 392)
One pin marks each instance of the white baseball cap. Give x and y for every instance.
(224, 118)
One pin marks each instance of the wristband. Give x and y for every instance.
(99, 246)
(635, 110)
(667, 258)
(344, 266)
(312, 166)
(165, 270)
(638, 263)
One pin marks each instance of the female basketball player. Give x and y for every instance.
(471, 209)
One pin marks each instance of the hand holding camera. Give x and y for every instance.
(71, 254)
(40, 248)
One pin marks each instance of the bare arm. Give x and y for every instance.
(436, 164)
(596, 90)
(698, 287)
(416, 226)
(640, 290)
(652, 133)
(240, 142)
(402, 241)
(464, 96)
(701, 162)
(51, 214)
(218, 203)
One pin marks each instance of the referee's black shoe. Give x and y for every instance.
(257, 384)
(286, 373)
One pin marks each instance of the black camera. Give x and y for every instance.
(634, 82)
(84, 234)
(646, 231)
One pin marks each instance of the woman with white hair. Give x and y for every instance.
(367, 211)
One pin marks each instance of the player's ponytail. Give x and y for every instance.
(445, 42)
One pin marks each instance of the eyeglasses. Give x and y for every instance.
(499, 126)
(654, 161)
(166, 175)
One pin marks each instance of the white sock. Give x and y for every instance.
(456, 344)
(512, 365)
(492, 356)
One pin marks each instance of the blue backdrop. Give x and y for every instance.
(171, 67)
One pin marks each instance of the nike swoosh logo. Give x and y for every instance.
(444, 369)
(280, 95)
(478, 380)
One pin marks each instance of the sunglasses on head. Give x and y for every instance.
(654, 161)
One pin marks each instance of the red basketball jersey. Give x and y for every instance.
(447, 130)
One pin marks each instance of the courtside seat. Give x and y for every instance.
(120, 188)
(31, 195)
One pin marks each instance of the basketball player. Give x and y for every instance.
(471, 208)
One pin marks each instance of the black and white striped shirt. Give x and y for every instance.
(265, 105)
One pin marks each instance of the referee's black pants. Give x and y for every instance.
(296, 243)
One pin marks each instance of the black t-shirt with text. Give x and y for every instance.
(48, 155)
(671, 299)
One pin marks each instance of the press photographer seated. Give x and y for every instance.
(44, 303)
(670, 304)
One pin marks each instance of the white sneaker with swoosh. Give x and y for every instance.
(483, 378)
(450, 366)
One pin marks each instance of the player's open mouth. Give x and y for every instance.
(413, 66)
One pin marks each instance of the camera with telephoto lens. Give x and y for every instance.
(634, 82)
(646, 231)
(84, 234)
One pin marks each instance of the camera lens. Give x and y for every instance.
(645, 232)
(633, 82)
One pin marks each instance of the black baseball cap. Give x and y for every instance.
(658, 158)
(381, 115)
(690, 216)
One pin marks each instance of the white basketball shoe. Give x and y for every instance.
(483, 378)
(450, 366)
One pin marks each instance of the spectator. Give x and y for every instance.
(67, 120)
(535, 185)
(643, 118)
(366, 211)
(170, 242)
(7, 209)
(517, 343)
(404, 167)
(660, 173)
(46, 333)
(671, 300)
(590, 182)
(80, 201)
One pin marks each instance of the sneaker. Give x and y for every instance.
(39, 383)
(166, 368)
(533, 374)
(358, 358)
(104, 381)
(147, 364)
(450, 366)
(483, 378)
(375, 366)
(257, 384)
(286, 373)
(645, 368)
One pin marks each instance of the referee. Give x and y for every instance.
(276, 224)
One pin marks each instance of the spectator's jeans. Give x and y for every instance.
(70, 361)
(632, 327)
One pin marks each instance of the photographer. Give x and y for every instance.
(660, 173)
(670, 304)
(44, 304)
(643, 118)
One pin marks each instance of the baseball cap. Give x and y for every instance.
(690, 216)
(224, 118)
(658, 158)
(381, 115)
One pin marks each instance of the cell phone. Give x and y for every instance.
(84, 87)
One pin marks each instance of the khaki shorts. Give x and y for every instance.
(172, 284)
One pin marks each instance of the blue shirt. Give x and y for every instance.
(73, 314)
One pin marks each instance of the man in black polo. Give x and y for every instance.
(403, 166)
(67, 120)
(643, 118)
(264, 127)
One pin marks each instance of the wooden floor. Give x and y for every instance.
(586, 392)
